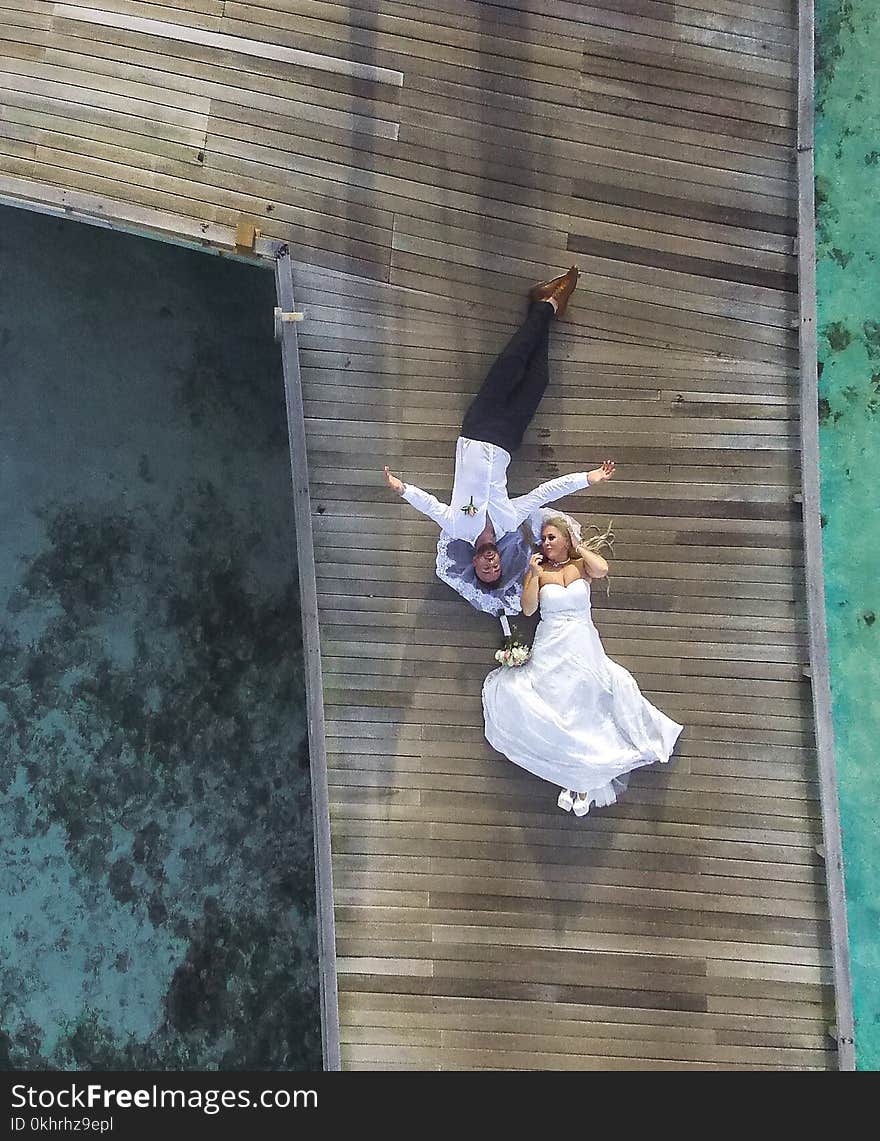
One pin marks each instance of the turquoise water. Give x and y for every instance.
(848, 222)
(156, 875)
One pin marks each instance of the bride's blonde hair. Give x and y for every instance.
(600, 543)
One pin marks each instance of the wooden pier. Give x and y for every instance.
(426, 163)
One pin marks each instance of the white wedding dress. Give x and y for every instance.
(570, 715)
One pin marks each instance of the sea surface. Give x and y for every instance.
(848, 294)
(156, 870)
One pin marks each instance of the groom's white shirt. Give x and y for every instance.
(481, 480)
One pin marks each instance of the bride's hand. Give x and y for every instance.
(536, 562)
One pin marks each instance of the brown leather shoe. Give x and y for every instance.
(559, 289)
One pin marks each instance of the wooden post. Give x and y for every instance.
(312, 653)
(819, 670)
(246, 234)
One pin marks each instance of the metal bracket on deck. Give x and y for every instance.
(246, 234)
(281, 317)
(841, 1040)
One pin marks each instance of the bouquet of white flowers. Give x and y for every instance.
(512, 653)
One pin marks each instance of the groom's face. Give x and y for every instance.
(487, 563)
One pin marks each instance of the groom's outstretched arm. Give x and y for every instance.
(558, 488)
(441, 513)
(549, 492)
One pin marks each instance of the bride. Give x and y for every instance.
(570, 715)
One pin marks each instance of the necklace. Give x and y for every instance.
(556, 565)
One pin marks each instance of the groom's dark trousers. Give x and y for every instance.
(509, 397)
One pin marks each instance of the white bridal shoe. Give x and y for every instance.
(582, 805)
(565, 801)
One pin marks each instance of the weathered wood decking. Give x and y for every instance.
(654, 144)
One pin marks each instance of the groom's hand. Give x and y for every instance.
(393, 482)
(600, 474)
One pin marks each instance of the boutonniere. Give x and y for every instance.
(469, 508)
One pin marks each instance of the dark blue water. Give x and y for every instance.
(156, 874)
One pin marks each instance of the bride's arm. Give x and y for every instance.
(592, 565)
(531, 585)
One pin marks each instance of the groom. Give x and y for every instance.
(481, 514)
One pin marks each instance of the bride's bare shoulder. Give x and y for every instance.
(581, 566)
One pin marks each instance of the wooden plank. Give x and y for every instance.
(490, 1021)
(199, 13)
(551, 928)
(351, 114)
(596, 204)
(96, 177)
(13, 49)
(622, 860)
(259, 48)
(622, 1048)
(465, 980)
(588, 142)
(472, 879)
(349, 830)
(671, 288)
(181, 168)
(781, 279)
(656, 73)
(531, 62)
(326, 939)
(692, 246)
(114, 214)
(188, 113)
(596, 90)
(375, 1057)
(538, 126)
(390, 1007)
